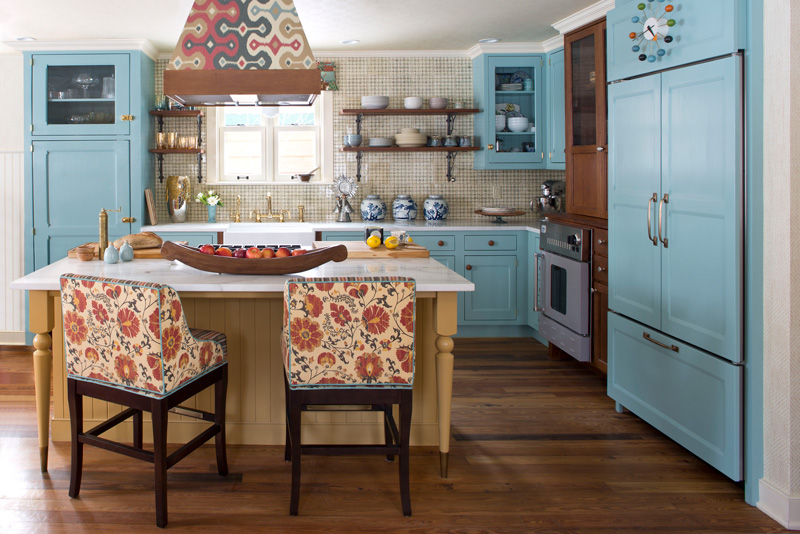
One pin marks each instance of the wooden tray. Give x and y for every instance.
(226, 265)
(146, 253)
(359, 249)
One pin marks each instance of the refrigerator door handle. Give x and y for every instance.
(664, 200)
(649, 213)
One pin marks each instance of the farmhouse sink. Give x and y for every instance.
(272, 233)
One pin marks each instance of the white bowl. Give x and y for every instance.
(412, 102)
(380, 141)
(437, 103)
(409, 130)
(518, 124)
(374, 102)
(499, 122)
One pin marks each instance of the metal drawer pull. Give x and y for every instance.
(440, 243)
(650, 339)
(663, 201)
(649, 213)
(469, 267)
(491, 243)
(601, 269)
(536, 256)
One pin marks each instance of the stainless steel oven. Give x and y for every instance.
(565, 300)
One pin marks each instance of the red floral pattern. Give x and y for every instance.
(99, 312)
(75, 328)
(349, 332)
(171, 342)
(80, 301)
(126, 369)
(92, 354)
(128, 322)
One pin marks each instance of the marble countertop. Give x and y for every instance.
(429, 274)
(530, 224)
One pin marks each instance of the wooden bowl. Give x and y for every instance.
(229, 265)
(85, 253)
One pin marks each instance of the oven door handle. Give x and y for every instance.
(536, 307)
(650, 235)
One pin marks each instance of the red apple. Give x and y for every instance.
(298, 252)
(283, 252)
(240, 253)
(207, 249)
(224, 251)
(268, 253)
(253, 252)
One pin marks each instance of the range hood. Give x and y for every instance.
(242, 52)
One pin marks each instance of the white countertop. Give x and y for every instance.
(529, 224)
(429, 274)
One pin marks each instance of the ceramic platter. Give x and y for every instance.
(519, 77)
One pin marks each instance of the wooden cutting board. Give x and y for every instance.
(359, 249)
(146, 253)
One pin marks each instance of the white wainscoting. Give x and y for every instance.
(12, 243)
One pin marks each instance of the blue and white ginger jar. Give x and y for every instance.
(404, 208)
(373, 208)
(435, 208)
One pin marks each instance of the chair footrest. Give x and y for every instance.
(349, 449)
(191, 412)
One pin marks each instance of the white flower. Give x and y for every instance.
(212, 201)
(211, 192)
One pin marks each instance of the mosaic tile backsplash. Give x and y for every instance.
(387, 174)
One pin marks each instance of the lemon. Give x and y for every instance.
(409, 240)
(373, 241)
(391, 242)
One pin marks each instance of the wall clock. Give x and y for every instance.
(655, 30)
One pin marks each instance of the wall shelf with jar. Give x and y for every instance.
(167, 145)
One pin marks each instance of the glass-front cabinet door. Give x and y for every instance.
(80, 94)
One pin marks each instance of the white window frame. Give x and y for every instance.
(214, 151)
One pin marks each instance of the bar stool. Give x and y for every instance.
(128, 343)
(349, 342)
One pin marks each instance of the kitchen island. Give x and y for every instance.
(248, 309)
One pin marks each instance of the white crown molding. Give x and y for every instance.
(92, 45)
(505, 48)
(584, 16)
(389, 53)
(783, 508)
(553, 43)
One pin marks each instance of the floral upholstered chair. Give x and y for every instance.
(128, 343)
(350, 342)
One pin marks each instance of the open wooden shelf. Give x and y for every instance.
(176, 150)
(403, 111)
(176, 113)
(409, 149)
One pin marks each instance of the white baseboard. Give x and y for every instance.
(781, 507)
(12, 338)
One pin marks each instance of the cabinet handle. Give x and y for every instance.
(440, 243)
(126, 117)
(664, 200)
(490, 147)
(128, 219)
(649, 213)
(651, 340)
(600, 149)
(242, 177)
(491, 243)
(469, 267)
(601, 269)
(602, 241)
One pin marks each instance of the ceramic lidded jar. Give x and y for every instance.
(373, 208)
(126, 252)
(404, 208)
(435, 208)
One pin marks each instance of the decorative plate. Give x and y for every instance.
(520, 76)
(505, 108)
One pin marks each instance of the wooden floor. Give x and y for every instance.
(537, 447)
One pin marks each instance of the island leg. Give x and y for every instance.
(40, 321)
(445, 315)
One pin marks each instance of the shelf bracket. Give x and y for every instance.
(200, 131)
(160, 168)
(451, 122)
(199, 167)
(358, 124)
(451, 156)
(359, 155)
(160, 120)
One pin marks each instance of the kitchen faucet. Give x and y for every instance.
(236, 216)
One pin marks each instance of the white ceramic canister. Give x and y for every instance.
(404, 208)
(126, 252)
(373, 208)
(435, 208)
(111, 255)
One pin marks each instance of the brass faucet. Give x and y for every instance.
(283, 215)
(300, 211)
(236, 217)
(256, 214)
(269, 214)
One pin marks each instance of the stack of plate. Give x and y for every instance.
(410, 137)
(498, 209)
(380, 141)
(511, 87)
(374, 102)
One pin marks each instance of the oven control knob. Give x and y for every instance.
(574, 239)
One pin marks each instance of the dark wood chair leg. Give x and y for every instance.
(295, 414)
(160, 415)
(287, 450)
(220, 394)
(387, 431)
(405, 431)
(137, 429)
(76, 428)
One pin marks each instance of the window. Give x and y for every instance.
(269, 145)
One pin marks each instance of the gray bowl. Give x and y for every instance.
(352, 140)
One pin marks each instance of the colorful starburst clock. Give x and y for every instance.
(655, 30)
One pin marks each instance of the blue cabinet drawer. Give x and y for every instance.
(435, 242)
(490, 241)
(689, 395)
(342, 236)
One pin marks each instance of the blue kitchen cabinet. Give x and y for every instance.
(503, 149)
(88, 137)
(556, 136)
(441, 246)
(193, 239)
(680, 178)
(703, 30)
(690, 395)
(342, 236)
(495, 295)
(534, 287)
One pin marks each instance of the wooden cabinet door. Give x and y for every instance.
(72, 182)
(585, 113)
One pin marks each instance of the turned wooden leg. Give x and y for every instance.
(40, 320)
(445, 318)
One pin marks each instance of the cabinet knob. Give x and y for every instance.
(490, 147)
(600, 149)
(593, 290)
(601, 241)
(128, 219)
(601, 269)
(469, 267)
(491, 243)
(440, 243)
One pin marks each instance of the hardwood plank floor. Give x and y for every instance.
(537, 447)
